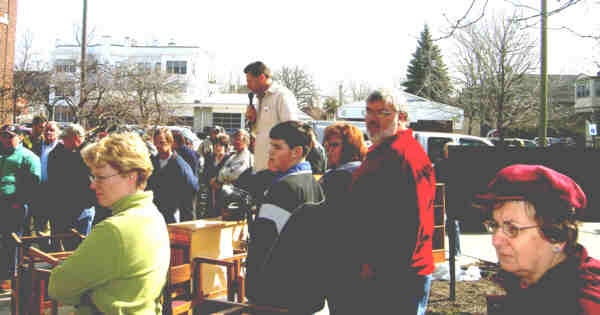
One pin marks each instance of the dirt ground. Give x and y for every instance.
(470, 295)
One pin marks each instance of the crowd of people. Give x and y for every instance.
(358, 235)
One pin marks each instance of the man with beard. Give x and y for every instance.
(72, 202)
(19, 179)
(390, 214)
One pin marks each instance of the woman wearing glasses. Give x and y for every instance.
(345, 148)
(544, 269)
(121, 267)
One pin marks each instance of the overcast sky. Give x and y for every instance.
(334, 40)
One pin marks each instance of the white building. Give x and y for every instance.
(225, 110)
(193, 64)
(419, 108)
(587, 93)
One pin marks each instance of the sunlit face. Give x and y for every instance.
(51, 132)
(333, 148)
(529, 255)
(255, 84)
(162, 144)
(219, 148)
(110, 186)
(239, 143)
(281, 156)
(382, 121)
(73, 142)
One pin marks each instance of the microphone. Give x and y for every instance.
(250, 97)
(250, 124)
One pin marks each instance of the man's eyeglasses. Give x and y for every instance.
(99, 178)
(332, 144)
(382, 113)
(6, 135)
(508, 228)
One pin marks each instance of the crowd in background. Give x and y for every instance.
(335, 220)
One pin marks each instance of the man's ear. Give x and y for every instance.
(297, 151)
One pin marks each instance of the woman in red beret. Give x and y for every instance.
(544, 269)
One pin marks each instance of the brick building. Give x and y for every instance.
(8, 25)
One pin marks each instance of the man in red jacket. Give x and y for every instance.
(391, 215)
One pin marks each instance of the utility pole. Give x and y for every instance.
(82, 92)
(543, 126)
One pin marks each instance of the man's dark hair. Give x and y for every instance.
(257, 68)
(294, 133)
(39, 119)
(178, 138)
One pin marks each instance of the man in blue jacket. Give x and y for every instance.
(172, 181)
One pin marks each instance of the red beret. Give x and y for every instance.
(520, 181)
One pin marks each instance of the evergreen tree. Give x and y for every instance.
(427, 74)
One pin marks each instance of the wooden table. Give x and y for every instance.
(211, 238)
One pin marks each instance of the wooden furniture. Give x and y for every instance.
(439, 226)
(29, 294)
(210, 239)
(178, 290)
(235, 280)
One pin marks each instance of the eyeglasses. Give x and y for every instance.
(332, 144)
(99, 178)
(7, 135)
(508, 228)
(382, 113)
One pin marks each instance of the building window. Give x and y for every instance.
(144, 66)
(157, 67)
(177, 67)
(597, 84)
(65, 91)
(66, 65)
(583, 89)
(229, 121)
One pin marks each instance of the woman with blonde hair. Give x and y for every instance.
(121, 267)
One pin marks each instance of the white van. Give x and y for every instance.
(433, 142)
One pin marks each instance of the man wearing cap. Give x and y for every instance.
(390, 214)
(276, 104)
(533, 211)
(19, 179)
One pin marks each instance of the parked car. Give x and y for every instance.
(515, 142)
(433, 142)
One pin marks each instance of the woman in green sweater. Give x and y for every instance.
(122, 265)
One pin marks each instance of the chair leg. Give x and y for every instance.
(231, 283)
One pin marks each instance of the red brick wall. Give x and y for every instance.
(7, 53)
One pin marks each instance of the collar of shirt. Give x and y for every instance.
(302, 167)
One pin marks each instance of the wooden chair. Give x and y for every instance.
(178, 296)
(33, 273)
(235, 280)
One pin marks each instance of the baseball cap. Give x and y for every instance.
(523, 182)
(9, 129)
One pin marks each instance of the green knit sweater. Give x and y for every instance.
(121, 267)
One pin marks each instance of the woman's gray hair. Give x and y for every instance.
(72, 130)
